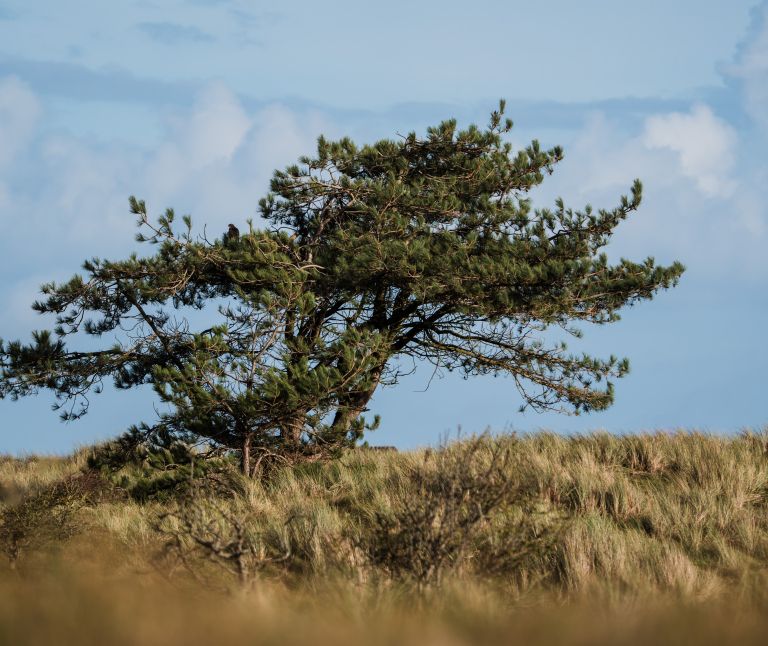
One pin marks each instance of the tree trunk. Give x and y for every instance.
(356, 404)
(246, 455)
(291, 431)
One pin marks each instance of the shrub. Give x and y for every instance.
(436, 521)
(48, 514)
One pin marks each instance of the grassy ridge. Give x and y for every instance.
(515, 539)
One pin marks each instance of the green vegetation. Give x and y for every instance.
(372, 258)
(537, 539)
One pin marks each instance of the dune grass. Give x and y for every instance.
(537, 539)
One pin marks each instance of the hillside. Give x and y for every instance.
(516, 539)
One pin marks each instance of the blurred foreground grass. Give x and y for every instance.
(538, 539)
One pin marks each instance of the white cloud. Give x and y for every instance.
(704, 144)
(19, 112)
(280, 138)
(65, 197)
(702, 202)
(210, 135)
(750, 67)
(215, 129)
(216, 162)
(603, 158)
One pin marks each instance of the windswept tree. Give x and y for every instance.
(423, 248)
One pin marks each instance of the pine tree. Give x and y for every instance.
(424, 248)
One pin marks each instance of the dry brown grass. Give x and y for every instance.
(595, 539)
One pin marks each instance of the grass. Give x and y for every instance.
(538, 539)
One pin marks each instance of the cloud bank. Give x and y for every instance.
(68, 193)
(64, 198)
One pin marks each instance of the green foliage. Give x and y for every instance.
(420, 248)
(155, 465)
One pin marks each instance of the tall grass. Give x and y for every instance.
(518, 539)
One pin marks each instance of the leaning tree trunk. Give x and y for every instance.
(245, 464)
(291, 431)
(355, 404)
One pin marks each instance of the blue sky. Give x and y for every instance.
(193, 103)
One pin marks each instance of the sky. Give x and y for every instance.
(193, 103)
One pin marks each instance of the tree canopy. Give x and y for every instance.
(421, 247)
